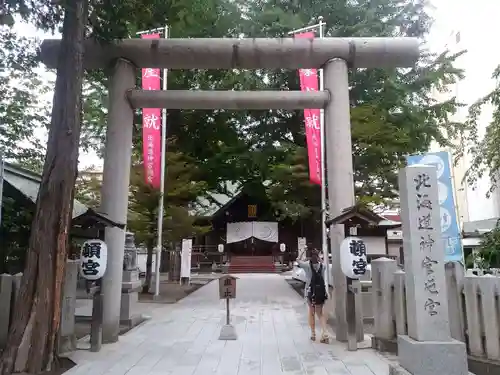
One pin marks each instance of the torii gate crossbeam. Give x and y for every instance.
(260, 53)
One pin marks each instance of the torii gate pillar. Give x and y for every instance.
(114, 191)
(339, 175)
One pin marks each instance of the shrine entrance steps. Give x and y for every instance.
(251, 264)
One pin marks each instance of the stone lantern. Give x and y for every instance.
(131, 284)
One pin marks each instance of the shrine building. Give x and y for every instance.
(248, 235)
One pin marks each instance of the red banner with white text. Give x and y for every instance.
(309, 82)
(151, 126)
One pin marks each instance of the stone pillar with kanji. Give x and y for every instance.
(428, 349)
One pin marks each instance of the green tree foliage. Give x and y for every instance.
(487, 255)
(182, 189)
(484, 150)
(182, 185)
(211, 137)
(88, 187)
(14, 234)
(21, 112)
(393, 111)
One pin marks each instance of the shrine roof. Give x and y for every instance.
(365, 214)
(27, 183)
(211, 203)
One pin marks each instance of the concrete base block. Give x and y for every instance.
(130, 276)
(432, 357)
(134, 321)
(130, 287)
(128, 302)
(152, 284)
(228, 332)
(398, 370)
(67, 344)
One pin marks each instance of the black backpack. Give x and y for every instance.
(317, 287)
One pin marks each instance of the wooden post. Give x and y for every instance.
(454, 283)
(358, 307)
(227, 290)
(96, 322)
(351, 316)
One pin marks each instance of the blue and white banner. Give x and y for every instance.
(449, 225)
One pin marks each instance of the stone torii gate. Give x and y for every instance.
(334, 55)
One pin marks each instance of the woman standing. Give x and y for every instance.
(316, 292)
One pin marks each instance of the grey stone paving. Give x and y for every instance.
(273, 338)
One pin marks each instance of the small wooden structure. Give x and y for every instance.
(370, 227)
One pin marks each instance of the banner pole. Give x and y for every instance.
(162, 184)
(307, 28)
(324, 239)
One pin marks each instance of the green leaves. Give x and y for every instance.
(487, 255)
(23, 100)
(182, 188)
(484, 150)
(394, 111)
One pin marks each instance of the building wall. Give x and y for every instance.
(459, 165)
(394, 249)
(374, 245)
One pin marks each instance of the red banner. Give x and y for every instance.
(309, 82)
(151, 126)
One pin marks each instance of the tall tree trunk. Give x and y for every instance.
(32, 338)
(149, 265)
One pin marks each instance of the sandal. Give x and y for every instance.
(325, 339)
(313, 337)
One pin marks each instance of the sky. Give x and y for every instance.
(478, 25)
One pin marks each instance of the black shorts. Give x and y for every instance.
(317, 299)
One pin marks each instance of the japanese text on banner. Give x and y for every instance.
(151, 127)
(309, 82)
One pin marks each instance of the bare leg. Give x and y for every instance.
(312, 322)
(322, 322)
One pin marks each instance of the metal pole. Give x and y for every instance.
(158, 29)
(162, 183)
(324, 239)
(326, 258)
(2, 171)
(307, 28)
(227, 312)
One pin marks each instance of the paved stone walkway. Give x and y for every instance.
(273, 338)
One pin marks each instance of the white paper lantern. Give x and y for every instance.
(93, 259)
(282, 247)
(220, 248)
(353, 257)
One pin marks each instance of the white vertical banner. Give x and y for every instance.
(301, 246)
(187, 246)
